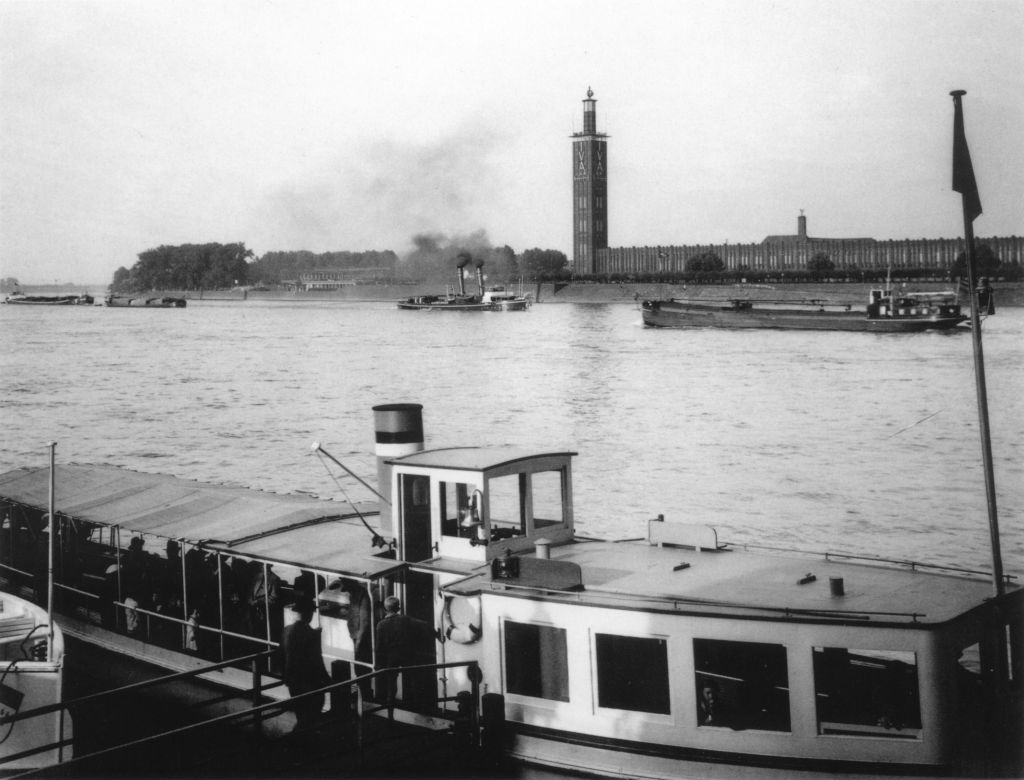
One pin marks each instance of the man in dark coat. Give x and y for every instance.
(398, 639)
(304, 665)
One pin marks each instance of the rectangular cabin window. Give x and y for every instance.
(548, 498)
(867, 693)
(536, 661)
(632, 673)
(457, 511)
(505, 496)
(741, 685)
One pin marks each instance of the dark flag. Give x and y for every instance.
(963, 171)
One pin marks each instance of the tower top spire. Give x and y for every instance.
(590, 92)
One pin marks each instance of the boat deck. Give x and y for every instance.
(638, 575)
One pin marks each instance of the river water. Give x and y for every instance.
(842, 441)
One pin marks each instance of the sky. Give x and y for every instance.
(346, 125)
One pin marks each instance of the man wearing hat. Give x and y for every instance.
(303, 664)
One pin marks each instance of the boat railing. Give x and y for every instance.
(592, 593)
(348, 708)
(901, 562)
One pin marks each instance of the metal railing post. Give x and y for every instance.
(474, 681)
(257, 693)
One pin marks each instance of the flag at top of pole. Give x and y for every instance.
(963, 171)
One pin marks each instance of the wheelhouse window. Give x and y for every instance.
(536, 661)
(458, 505)
(632, 673)
(867, 693)
(506, 499)
(548, 498)
(741, 685)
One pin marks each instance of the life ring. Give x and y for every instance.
(461, 619)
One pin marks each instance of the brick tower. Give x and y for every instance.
(589, 190)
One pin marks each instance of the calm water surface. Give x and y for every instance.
(844, 441)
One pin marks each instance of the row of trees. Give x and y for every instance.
(277, 267)
(185, 267)
(218, 266)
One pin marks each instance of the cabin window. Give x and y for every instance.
(632, 673)
(457, 516)
(548, 498)
(507, 507)
(867, 693)
(741, 685)
(536, 661)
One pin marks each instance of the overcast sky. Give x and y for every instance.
(337, 125)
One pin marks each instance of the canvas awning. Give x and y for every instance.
(298, 530)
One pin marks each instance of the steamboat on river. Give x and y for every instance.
(496, 298)
(649, 657)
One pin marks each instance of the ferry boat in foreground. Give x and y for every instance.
(640, 658)
(496, 298)
(31, 676)
(887, 311)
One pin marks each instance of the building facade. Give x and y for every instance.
(589, 191)
(592, 255)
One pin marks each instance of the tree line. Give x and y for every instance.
(219, 266)
(213, 266)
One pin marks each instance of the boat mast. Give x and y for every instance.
(964, 183)
(49, 561)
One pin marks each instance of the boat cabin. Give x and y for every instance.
(679, 647)
(478, 503)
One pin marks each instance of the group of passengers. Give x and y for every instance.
(175, 603)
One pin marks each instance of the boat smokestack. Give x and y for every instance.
(480, 275)
(463, 262)
(399, 431)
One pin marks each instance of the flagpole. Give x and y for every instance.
(49, 561)
(963, 182)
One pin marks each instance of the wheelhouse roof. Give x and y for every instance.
(304, 531)
(473, 458)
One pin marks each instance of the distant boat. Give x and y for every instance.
(159, 302)
(487, 299)
(887, 311)
(49, 300)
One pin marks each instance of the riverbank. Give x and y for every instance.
(1007, 293)
(582, 292)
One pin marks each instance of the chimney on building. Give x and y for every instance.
(801, 226)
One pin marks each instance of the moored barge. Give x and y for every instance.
(886, 312)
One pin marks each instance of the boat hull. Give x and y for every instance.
(423, 305)
(676, 314)
(146, 303)
(45, 300)
(30, 678)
